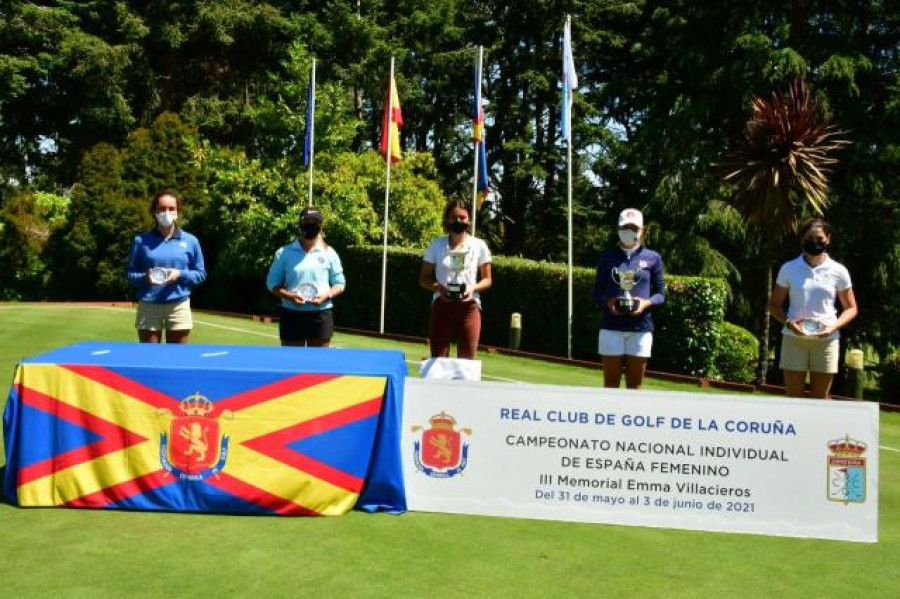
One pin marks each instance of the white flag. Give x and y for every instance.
(569, 80)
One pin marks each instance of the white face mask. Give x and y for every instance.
(628, 237)
(166, 219)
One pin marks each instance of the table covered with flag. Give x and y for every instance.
(268, 430)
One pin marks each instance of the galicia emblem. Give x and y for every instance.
(193, 446)
(847, 471)
(439, 451)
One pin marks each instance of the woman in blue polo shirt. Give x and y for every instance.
(306, 274)
(626, 331)
(165, 264)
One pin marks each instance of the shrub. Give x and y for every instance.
(27, 220)
(890, 378)
(688, 325)
(736, 354)
(687, 336)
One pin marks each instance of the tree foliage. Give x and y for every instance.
(664, 90)
(781, 170)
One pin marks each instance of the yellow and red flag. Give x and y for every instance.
(393, 120)
(478, 136)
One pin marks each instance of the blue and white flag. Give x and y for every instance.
(310, 116)
(569, 81)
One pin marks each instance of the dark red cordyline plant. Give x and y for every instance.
(784, 160)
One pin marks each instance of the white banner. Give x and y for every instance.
(787, 467)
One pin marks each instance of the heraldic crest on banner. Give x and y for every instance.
(193, 445)
(439, 451)
(847, 471)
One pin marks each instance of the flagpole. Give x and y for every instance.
(477, 112)
(312, 130)
(387, 195)
(571, 310)
(568, 99)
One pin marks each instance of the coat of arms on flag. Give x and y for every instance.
(192, 446)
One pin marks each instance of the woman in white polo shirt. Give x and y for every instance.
(811, 283)
(456, 268)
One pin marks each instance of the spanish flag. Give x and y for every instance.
(393, 120)
(478, 136)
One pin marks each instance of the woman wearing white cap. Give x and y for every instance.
(306, 274)
(811, 283)
(628, 285)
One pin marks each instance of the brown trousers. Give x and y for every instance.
(454, 321)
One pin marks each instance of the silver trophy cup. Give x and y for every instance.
(456, 289)
(626, 280)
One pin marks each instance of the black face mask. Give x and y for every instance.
(458, 226)
(310, 231)
(814, 247)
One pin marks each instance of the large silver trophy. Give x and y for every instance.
(456, 289)
(626, 280)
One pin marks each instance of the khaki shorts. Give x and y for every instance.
(174, 316)
(809, 354)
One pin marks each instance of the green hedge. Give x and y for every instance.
(688, 325)
(737, 353)
(890, 378)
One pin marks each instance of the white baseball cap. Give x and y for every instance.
(631, 216)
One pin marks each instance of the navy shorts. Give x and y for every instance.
(300, 326)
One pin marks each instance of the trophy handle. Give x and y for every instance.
(614, 275)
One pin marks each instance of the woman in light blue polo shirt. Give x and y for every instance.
(306, 274)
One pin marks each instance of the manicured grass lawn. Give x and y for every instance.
(84, 553)
(31, 329)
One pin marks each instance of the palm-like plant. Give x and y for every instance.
(780, 171)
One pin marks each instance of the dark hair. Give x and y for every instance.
(154, 203)
(814, 223)
(453, 205)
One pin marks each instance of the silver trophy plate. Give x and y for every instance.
(811, 326)
(158, 275)
(307, 291)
